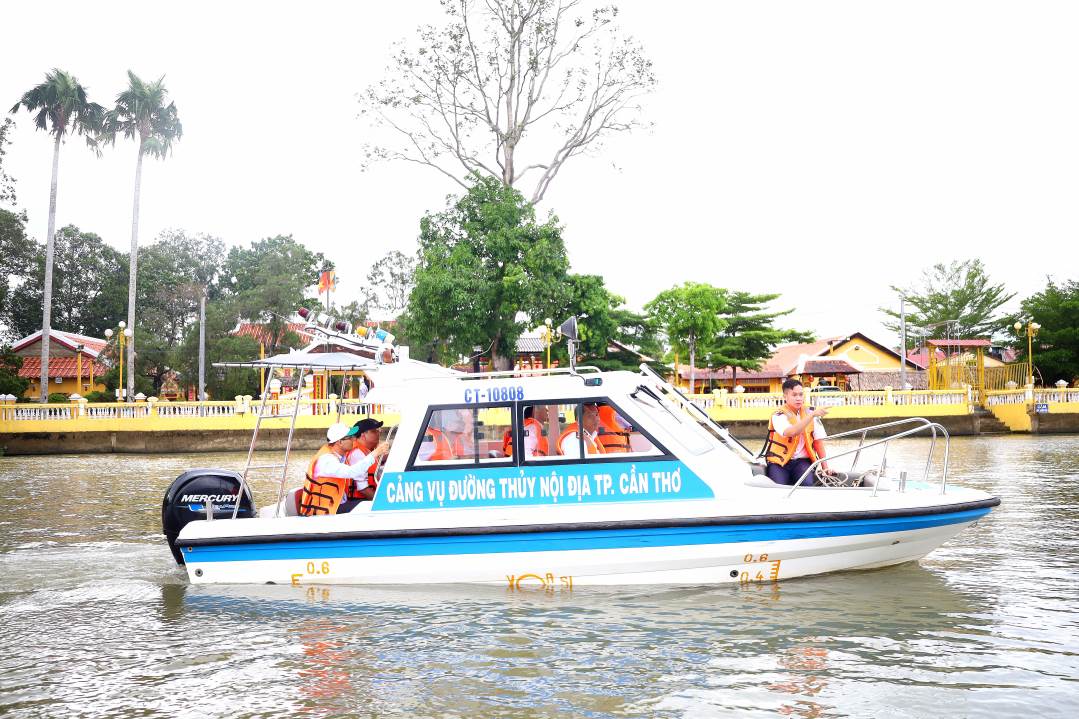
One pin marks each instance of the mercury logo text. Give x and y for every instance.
(207, 498)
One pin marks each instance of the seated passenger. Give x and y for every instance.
(568, 444)
(535, 441)
(365, 442)
(795, 438)
(328, 477)
(613, 430)
(459, 430)
(435, 446)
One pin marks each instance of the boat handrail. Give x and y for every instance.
(908, 420)
(715, 429)
(529, 371)
(932, 426)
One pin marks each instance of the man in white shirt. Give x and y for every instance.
(568, 444)
(328, 475)
(795, 438)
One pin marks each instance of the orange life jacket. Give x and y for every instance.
(541, 441)
(321, 495)
(779, 449)
(354, 454)
(461, 448)
(442, 445)
(591, 446)
(611, 435)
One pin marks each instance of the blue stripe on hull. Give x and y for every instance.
(568, 541)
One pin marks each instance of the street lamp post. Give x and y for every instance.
(547, 339)
(202, 350)
(121, 338)
(1032, 328)
(78, 367)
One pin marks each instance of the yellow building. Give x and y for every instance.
(853, 362)
(74, 367)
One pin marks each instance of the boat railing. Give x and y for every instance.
(922, 425)
(526, 372)
(717, 430)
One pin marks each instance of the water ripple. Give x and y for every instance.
(99, 622)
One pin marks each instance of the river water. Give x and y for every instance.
(97, 621)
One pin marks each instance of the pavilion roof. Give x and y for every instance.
(62, 367)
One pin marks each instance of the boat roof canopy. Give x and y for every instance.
(310, 360)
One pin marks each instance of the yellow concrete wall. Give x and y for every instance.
(68, 386)
(1015, 416)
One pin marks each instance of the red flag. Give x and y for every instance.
(326, 281)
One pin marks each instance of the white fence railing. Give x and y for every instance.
(194, 410)
(994, 399)
(41, 411)
(836, 399)
(1068, 394)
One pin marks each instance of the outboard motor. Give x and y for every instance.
(189, 496)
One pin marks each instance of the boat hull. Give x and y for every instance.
(694, 552)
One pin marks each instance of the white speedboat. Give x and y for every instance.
(670, 497)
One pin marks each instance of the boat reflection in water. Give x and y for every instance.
(790, 647)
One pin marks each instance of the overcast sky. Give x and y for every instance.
(822, 150)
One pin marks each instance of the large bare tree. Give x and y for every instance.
(465, 96)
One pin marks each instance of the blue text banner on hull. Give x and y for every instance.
(600, 482)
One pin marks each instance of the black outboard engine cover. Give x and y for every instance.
(189, 494)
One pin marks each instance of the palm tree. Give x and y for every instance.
(61, 106)
(141, 113)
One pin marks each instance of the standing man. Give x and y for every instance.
(795, 438)
(367, 436)
(328, 477)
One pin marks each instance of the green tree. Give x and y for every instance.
(272, 277)
(604, 317)
(959, 295)
(82, 265)
(690, 316)
(60, 107)
(7, 184)
(750, 335)
(221, 346)
(17, 252)
(143, 113)
(1056, 346)
(10, 381)
(481, 261)
(176, 269)
(391, 280)
(108, 305)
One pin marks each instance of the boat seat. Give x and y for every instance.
(292, 502)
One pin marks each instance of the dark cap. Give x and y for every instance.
(365, 425)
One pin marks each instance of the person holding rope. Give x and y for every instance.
(795, 438)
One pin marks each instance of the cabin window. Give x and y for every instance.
(607, 432)
(459, 435)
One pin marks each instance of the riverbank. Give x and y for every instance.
(312, 437)
(163, 427)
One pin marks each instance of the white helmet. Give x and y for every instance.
(336, 432)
